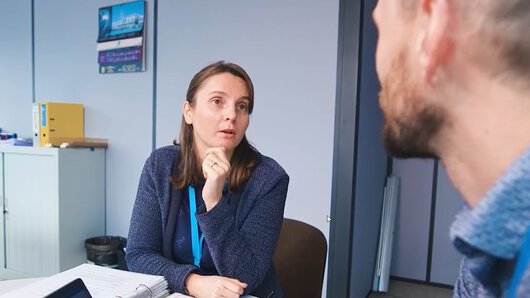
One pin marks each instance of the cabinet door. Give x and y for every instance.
(2, 244)
(32, 214)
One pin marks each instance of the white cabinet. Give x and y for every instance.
(53, 199)
(2, 243)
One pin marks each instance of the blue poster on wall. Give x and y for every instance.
(121, 46)
(121, 21)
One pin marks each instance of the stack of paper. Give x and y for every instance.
(101, 282)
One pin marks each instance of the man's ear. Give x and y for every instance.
(436, 44)
(186, 112)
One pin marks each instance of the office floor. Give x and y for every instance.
(402, 289)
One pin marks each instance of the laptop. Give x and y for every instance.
(74, 289)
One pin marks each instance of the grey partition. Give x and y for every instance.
(411, 240)
(16, 95)
(371, 169)
(428, 205)
(360, 163)
(445, 259)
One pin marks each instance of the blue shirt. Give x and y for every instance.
(182, 237)
(490, 235)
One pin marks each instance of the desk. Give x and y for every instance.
(7, 286)
(11, 284)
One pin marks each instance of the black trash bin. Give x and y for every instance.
(108, 251)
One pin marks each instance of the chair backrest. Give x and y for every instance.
(300, 259)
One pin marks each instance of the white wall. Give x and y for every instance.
(15, 66)
(288, 48)
(117, 106)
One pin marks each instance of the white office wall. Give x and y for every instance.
(290, 56)
(117, 106)
(289, 49)
(15, 67)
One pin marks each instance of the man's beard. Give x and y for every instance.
(408, 133)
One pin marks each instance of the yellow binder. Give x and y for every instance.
(60, 123)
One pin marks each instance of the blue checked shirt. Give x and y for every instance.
(490, 236)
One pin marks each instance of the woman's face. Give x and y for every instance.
(219, 114)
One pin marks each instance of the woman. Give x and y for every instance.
(209, 210)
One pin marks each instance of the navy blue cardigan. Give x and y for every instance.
(241, 245)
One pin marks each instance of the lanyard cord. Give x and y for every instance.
(522, 263)
(196, 241)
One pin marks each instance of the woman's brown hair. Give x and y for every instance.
(245, 157)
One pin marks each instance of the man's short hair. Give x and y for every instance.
(501, 45)
(506, 27)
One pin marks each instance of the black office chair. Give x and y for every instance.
(300, 259)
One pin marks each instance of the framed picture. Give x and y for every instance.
(121, 38)
(121, 21)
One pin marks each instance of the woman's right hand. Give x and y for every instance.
(215, 168)
(214, 286)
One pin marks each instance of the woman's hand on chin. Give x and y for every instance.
(215, 168)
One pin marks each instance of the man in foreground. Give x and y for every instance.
(455, 78)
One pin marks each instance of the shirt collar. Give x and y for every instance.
(498, 223)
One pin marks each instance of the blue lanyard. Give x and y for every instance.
(196, 241)
(522, 263)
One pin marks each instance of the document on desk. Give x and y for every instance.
(101, 282)
(178, 295)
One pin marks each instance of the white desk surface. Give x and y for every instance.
(12, 284)
(7, 286)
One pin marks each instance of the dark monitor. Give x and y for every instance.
(74, 289)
